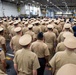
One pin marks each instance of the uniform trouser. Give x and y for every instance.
(42, 62)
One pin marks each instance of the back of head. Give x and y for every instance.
(40, 36)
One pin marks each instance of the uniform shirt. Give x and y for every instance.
(43, 28)
(60, 37)
(2, 41)
(20, 25)
(26, 61)
(62, 24)
(15, 43)
(75, 50)
(36, 29)
(5, 24)
(13, 33)
(60, 47)
(9, 28)
(24, 30)
(62, 58)
(56, 32)
(59, 28)
(3, 27)
(31, 33)
(40, 48)
(50, 39)
(5, 34)
(2, 57)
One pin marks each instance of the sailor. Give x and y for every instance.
(14, 43)
(25, 61)
(41, 49)
(64, 57)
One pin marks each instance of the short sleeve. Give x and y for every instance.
(31, 47)
(46, 51)
(3, 41)
(36, 64)
(11, 41)
(15, 59)
(59, 37)
(54, 37)
(57, 48)
(52, 62)
(2, 55)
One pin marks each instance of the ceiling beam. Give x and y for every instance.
(63, 6)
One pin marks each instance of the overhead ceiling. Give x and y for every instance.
(61, 5)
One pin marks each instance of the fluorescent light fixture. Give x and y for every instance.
(37, 2)
(50, 2)
(59, 13)
(13, 0)
(68, 13)
(21, 1)
(47, 0)
(33, 1)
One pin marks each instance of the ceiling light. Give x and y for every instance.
(47, 0)
(13, 0)
(37, 3)
(21, 1)
(50, 2)
(33, 1)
